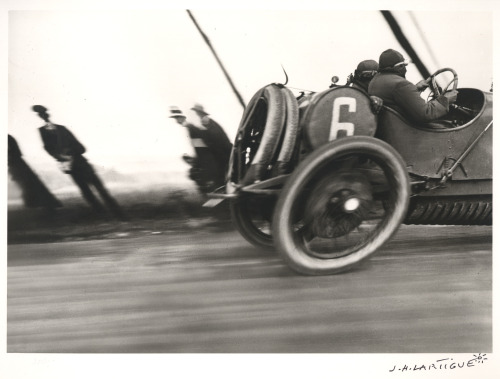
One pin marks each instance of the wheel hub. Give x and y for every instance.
(351, 205)
(338, 204)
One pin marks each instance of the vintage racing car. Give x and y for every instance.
(327, 178)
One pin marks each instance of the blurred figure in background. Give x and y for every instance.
(204, 171)
(216, 140)
(363, 74)
(34, 192)
(61, 144)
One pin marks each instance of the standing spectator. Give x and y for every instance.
(216, 140)
(61, 144)
(204, 166)
(34, 192)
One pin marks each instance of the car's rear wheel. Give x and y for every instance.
(252, 217)
(342, 203)
(263, 149)
(257, 140)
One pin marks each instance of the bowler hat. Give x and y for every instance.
(39, 109)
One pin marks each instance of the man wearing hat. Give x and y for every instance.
(391, 86)
(204, 169)
(216, 139)
(363, 74)
(61, 144)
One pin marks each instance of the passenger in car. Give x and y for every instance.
(363, 74)
(391, 86)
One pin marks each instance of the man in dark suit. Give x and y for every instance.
(61, 144)
(205, 170)
(216, 140)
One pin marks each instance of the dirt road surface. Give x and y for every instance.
(206, 290)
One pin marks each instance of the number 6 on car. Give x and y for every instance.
(337, 113)
(337, 126)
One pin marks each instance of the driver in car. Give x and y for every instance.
(391, 86)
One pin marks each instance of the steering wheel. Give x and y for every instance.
(435, 89)
(438, 91)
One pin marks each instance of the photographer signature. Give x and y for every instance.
(443, 364)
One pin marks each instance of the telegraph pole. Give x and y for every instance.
(207, 41)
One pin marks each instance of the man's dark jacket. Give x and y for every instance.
(217, 141)
(61, 142)
(404, 97)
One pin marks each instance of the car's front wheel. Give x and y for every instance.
(342, 203)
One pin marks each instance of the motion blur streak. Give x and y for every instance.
(204, 291)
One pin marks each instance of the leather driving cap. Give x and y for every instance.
(389, 58)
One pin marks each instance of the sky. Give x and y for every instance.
(110, 74)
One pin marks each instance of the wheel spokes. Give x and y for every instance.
(344, 211)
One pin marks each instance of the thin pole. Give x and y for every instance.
(207, 41)
(424, 38)
(400, 36)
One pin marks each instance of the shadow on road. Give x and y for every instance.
(145, 212)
